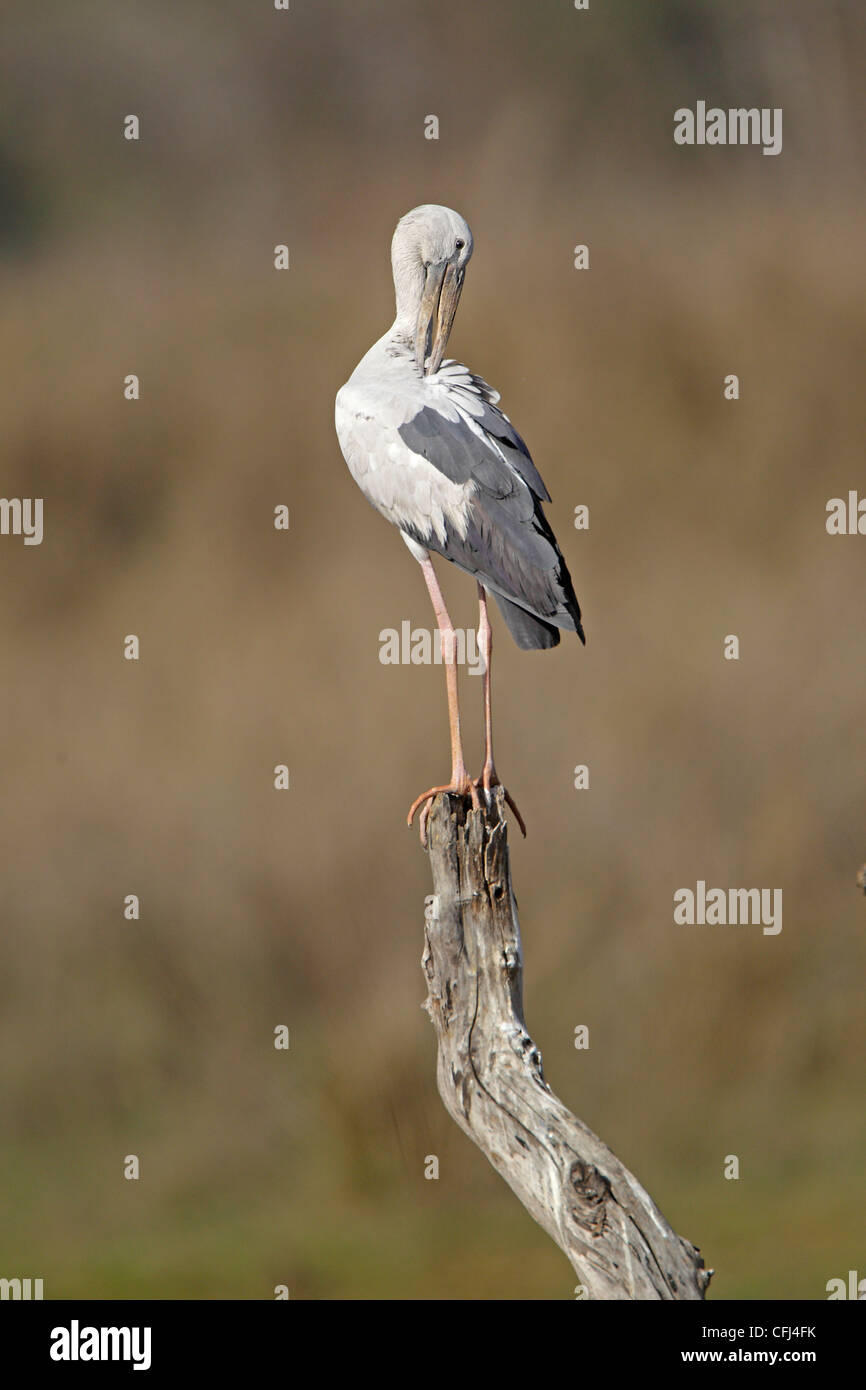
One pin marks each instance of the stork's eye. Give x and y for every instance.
(460, 245)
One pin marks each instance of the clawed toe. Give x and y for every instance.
(462, 788)
(486, 782)
(518, 817)
(470, 787)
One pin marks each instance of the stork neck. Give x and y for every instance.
(408, 291)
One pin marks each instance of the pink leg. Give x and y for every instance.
(488, 777)
(461, 783)
(485, 646)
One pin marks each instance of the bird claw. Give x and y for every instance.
(455, 788)
(486, 782)
(470, 787)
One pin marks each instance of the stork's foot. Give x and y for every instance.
(459, 786)
(487, 781)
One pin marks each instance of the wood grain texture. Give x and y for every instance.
(491, 1080)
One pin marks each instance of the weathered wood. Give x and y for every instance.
(491, 1080)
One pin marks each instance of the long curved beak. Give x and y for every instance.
(436, 314)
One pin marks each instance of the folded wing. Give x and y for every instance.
(504, 540)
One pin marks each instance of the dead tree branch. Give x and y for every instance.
(491, 1081)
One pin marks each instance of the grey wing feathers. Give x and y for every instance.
(507, 544)
(481, 402)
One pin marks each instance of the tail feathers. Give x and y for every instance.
(530, 633)
(533, 633)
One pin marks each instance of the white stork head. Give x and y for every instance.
(429, 252)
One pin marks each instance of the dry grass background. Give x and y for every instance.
(155, 1037)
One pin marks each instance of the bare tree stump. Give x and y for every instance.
(491, 1081)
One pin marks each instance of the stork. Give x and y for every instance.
(427, 445)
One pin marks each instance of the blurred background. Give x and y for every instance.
(305, 908)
